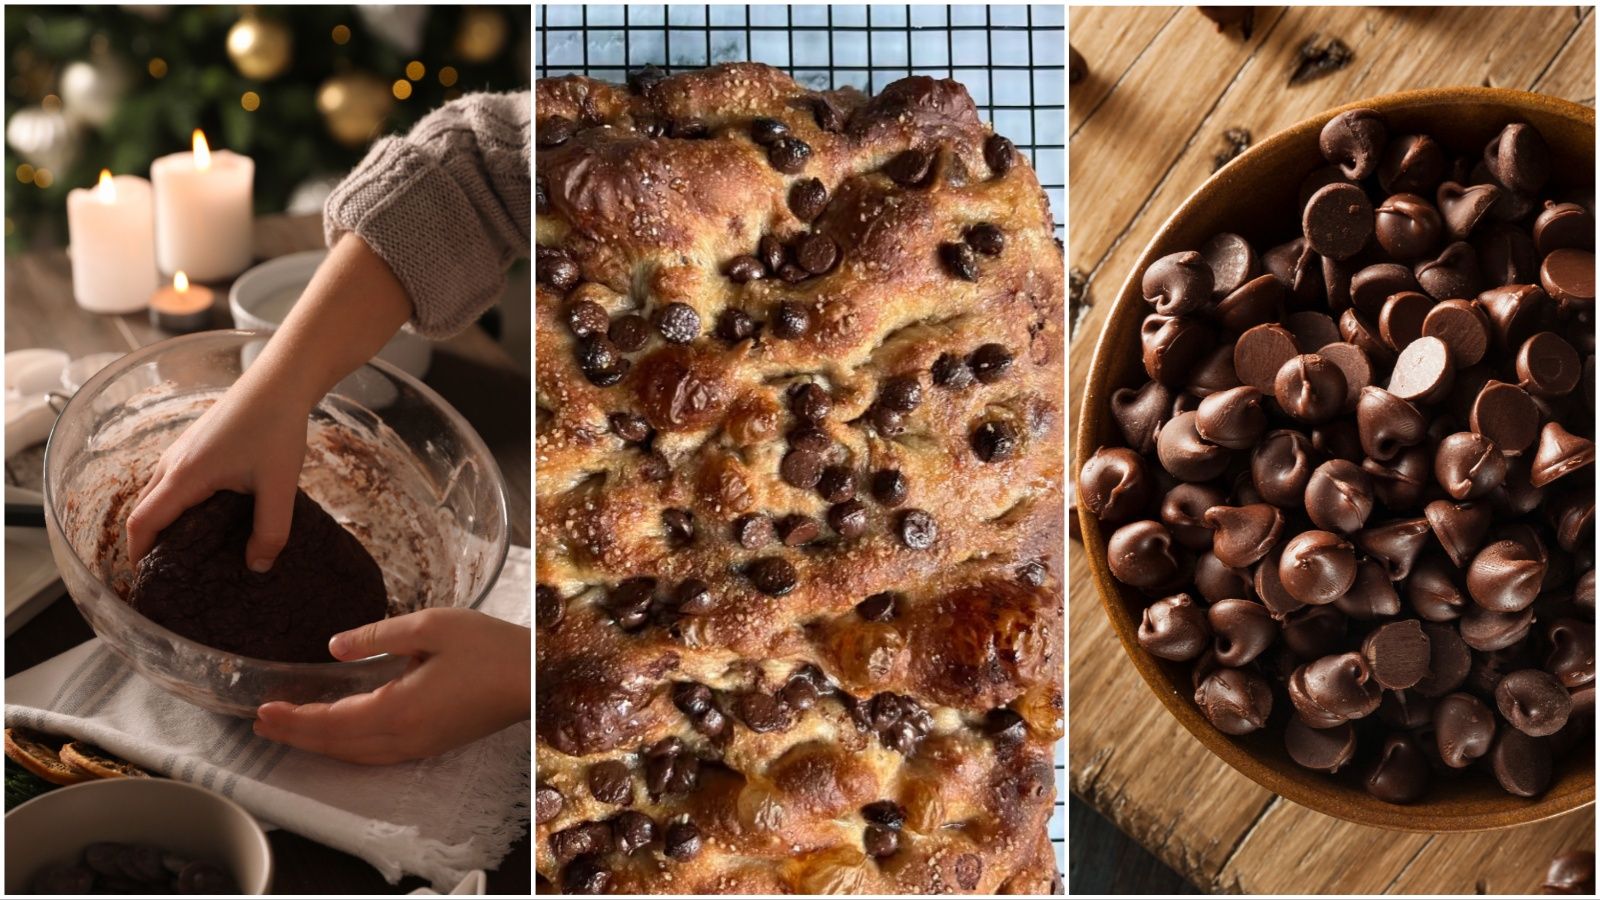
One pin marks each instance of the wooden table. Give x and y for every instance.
(1163, 91)
(471, 371)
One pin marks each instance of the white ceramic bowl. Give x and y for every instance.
(261, 298)
(174, 816)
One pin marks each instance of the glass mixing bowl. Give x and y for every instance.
(387, 457)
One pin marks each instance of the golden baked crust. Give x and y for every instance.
(942, 697)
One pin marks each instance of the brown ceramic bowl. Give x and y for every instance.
(1255, 195)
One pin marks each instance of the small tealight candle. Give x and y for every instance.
(203, 211)
(183, 307)
(113, 245)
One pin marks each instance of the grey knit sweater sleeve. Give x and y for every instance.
(448, 206)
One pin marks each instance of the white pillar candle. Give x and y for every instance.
(113, 245)
(203, 211)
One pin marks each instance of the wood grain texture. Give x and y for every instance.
(1158, 113)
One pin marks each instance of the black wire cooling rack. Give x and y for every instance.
(1011, 58)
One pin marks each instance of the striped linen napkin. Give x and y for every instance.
(440, 818)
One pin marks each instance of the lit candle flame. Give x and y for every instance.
(202, 151)
(106, 190)
(180, 281)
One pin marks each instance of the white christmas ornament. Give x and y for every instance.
(398, 26)
(42, 137)
(90, 91)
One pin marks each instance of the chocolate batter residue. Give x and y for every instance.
(196, 583)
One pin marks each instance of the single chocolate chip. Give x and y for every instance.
(1567, 275)
(631, 830)
(986, 238)
(959, 260)
(1320, 749)
(1310, 388)
(917, 529)
(1354, 141)
(754, 531)
(902, 393)
(742, 269)
(810, 402)
(1174, 628)
(1506, 415)
(1464, 728)
(773, 576)
(670, 768)
(890, 487)
(735, 325)
(763, 713)
(1338, 220)
(951, 371)
(1235, 701)
(848, 518)
(549, 607)
(679, 525)
(1424, 371)
(553, 131)
(888, 422)
(798, 529)
(1468, 465)
(880, 607)
(995, 441)
(1178, 283)
(629, 333)
(678, 323)
(816, 253)
(1560, 453)
(1464, 328)
(808, 198)
(788, 155)
(1243, 629)
(1317, 567)
(1412, 163)
(1518, 157)
(1140, 554)
(1114, 485)
(1547, 365)
(584, 839)
(1407, 227)
(990, 362)
(547, 803)
(790, 321)
(642, 80)
(767, 131)
(586, 317)
(1000, 154)
(585, 876)
(837, 484)
(1231, 261)
(1454, 273)
(802, 469)
(682, 841)
(909, 168)
(693, 598)
(1260, 353)
(611, 782)
(879, 841)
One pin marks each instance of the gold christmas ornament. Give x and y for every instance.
(482, 34)
(260, 48)
(354, 106)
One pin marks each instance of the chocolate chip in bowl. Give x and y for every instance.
(1428, 538)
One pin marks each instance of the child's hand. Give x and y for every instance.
(245, 443)
(468, 679)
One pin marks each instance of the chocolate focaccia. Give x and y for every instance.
(799, 490)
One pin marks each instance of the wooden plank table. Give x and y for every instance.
(1164, 88)
(471, 371)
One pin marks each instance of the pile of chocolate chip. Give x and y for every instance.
(112, 868)
(1358, 487)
